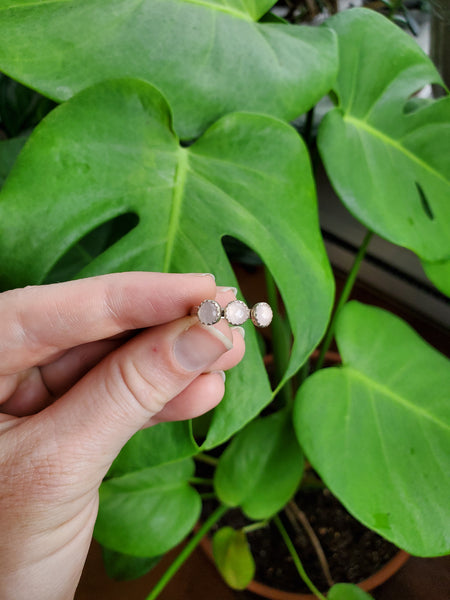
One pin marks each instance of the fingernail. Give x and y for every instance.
(240, 330)
(204, 275)
(200, 346)
(221, 373)
(224, 289)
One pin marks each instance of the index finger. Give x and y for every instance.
(40, 321)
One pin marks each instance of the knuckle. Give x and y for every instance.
(131, 382)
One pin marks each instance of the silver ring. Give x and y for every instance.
(236, 313)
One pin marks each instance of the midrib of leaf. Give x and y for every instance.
(358, 123)
(384, 390)
(224, 9)
(177, 202)
(38, 3)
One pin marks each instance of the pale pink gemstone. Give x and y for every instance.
(262, 314)
(236, 312)
(209, 312)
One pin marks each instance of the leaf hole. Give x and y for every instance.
(91, 245)
(238, 252)
(424, 201)
(423, 98)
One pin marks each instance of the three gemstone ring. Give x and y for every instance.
(235, 312)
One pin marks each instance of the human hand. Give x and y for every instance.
(83, 366)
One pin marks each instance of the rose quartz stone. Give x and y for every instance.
(236, 312)
(209, 312)
(262, 314)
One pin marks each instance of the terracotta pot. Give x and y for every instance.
(265, 591)
(367, 585)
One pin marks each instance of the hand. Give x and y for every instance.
(83, 366)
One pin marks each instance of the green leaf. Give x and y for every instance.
(157, 445)
(90, 246)
(208, 57)
(261, 469)
(378, 429)
(124, 567)
(439, 274)
(110, 151)
(233, 557)
(148, 512)
(390, 166)
(347, 591)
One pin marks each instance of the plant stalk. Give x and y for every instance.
(255, 526)
(205, 458)
(296, 558)
(346, 291)
(294, 514)
(208, 496)
(201, 481)
(187, 551)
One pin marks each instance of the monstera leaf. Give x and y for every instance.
(146, 513)
(209, 58)
(347, 591)
(389, 162)
(439, 274)
(233, 557)
(262, 467)
(165, 443)
(378, 429)
(111, 151)
(123, 567)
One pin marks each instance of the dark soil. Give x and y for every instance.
(353, 552)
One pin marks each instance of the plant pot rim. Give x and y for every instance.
(385, 573)
(271, 593)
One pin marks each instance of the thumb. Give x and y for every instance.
(131, 385)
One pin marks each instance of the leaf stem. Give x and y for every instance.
(201, 481)
(187, 551)
(208, 496)
(295, 515)
(255, 526)
(346, 291)
(296, 558)
(205, 458)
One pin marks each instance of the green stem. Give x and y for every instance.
(280, 346)
(205, 458)
(343, 299)
(296, 558)
(187, 551)
(208, 496)
(201, 481)
(255, 526)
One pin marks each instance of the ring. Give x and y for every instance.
(236, 313)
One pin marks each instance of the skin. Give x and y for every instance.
(83, 366)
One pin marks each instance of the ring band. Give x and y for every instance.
(236, 313)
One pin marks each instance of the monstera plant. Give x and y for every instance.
(172, 130)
